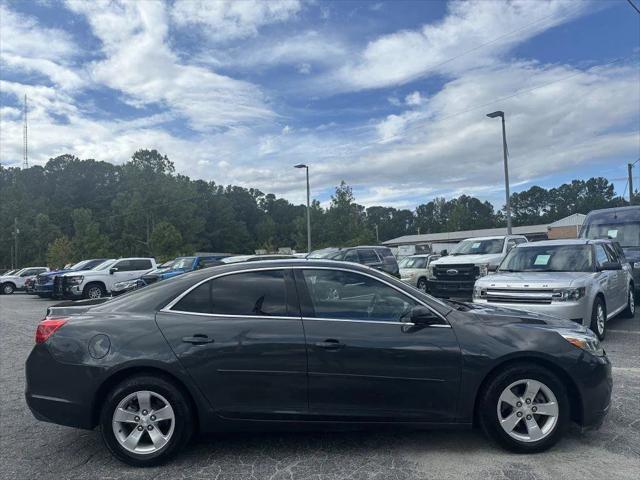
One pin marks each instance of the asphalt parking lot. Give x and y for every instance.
(30, 449)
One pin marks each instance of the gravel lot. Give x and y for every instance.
(31, 449)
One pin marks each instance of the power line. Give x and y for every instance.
(634, 6)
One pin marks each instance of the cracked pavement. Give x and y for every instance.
(31, 449)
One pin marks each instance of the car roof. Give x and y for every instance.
(422, 255)
(565, 241)
(493, 237)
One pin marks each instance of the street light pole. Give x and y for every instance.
(506, 166)
(306, 167)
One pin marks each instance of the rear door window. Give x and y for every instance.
(368, 256)
(263, 293)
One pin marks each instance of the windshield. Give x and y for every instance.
(79, 265)
(478, 247)
(551, 258)
(168, 264)
(104, 265)
(626, 234)
(183, 263)
(328, 254)
(413, 262)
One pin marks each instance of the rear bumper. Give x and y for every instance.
(58, 392)
(44, 290)
(456, 288)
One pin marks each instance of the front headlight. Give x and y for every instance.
(431, 275)
(76, 280)
(483, 270)
(636, 264)
(479, 292)
(568, 294)
(585, 341)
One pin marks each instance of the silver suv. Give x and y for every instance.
(582, 280)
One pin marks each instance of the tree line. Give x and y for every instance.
(71, 209)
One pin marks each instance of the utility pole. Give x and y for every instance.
(500, 114)
(306, 167)
(630, 173)
(377, 236)
(15, 241)
(25, 160)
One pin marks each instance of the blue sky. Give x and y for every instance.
(389, 96)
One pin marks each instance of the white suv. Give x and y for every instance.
(11, 283)
(99, 281)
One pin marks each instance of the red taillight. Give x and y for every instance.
(47, 327)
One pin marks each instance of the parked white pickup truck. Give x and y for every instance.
(455, 274)
(99, 281)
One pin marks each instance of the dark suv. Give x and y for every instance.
(376, 257)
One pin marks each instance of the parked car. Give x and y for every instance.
(170, 269)
(621, 224)
(413, 269)
(16, 280)
(455, 274)
(380, 258)
(99, 281)
(260, 344)
(580, 280)
(45, 281)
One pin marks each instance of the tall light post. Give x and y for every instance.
(506, 166)
(306, 167)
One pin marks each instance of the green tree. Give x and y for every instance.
(166, 241)
(60, 252)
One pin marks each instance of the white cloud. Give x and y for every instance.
(413, 99)
(232, 19)
(487, 28)
(140, 63)
(26, 46)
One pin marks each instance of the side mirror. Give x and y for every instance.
(423, 316)
(611, 266)
(112, 270)
(444, 252)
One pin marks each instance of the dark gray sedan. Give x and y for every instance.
(308, 344)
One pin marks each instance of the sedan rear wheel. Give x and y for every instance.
(145, 420)
(524, 408)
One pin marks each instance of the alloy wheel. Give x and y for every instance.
(600, 319)
(528, 410)
(632, 302)
(143, 422)
(422, 285)
(7, 289)
(94, 292)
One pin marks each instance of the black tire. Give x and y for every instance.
(487, 405)
(8, 288)
(422, 284)
(182, 429)
(89, 290)
(599, 328)
(630, 311)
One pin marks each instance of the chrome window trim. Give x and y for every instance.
(167, 308)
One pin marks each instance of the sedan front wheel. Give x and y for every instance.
(524, 408)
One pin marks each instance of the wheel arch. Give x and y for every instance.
(95, 282)
(116, 377)
(575, 397)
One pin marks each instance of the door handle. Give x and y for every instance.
(330, 344)
(198, 339)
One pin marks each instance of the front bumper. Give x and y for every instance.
(578, 312)
(44, 290)
(59, 392)
(452, 288)
(596, 387)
